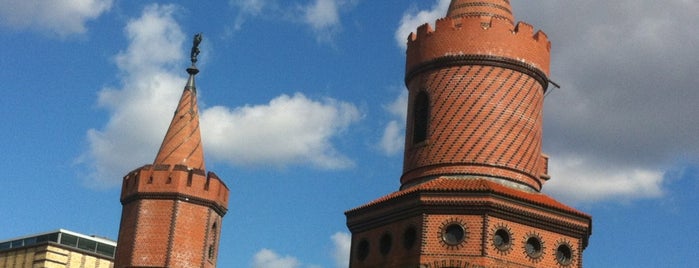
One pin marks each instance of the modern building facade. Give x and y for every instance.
(173, 209)
(57, 249)
(473, 169)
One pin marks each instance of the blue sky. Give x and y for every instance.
(303, 107)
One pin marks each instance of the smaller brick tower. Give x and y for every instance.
(172, 209)
(473, 167)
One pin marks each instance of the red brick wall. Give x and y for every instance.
(484, 120)
(168, 218)
(398, 255)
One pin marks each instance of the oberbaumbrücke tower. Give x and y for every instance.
(473, 167)
(172, 209)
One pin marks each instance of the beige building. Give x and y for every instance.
(61, 248)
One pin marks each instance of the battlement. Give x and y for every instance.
(178, 182)
(485, 37)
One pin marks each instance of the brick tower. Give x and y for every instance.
(473, 167)
(172, 209)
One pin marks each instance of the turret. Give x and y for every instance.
(476, 86)
(173, 209)
(473, 165)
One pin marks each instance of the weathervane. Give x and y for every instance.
(195, 47)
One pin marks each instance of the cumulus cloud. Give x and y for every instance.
(322, 17)
(59, 17)
(288, 130)
(624, 116)
(247, 9)
(148, 94)
(266, 258)
(393, 138)
(581, 180)
(342, 242)
(414, 18)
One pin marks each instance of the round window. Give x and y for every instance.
(502, 240)
(454, 234)
(533, 247)
(564, 254)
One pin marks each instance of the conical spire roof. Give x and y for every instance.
(499, 9)
(182, 144)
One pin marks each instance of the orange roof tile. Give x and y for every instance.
(182, 144)
(444, 184)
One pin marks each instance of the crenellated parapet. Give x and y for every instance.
(481, 40)
(176, 182)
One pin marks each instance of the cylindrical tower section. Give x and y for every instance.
(476, 90)
(499, 9)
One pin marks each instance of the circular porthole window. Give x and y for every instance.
(409, 237)
(502, 239)
(363, 250)
(564, 254)
(453, 234)
(534, 247)
(385, 244)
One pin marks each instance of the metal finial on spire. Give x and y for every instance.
(192, 70)
(195, 47)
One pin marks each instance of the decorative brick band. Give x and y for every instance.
(221, 210)
(483, 60)
(481, 4)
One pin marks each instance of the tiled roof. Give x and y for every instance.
(182, 144)
(479, 185)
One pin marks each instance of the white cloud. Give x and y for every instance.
(287, 130)
(322, 14)
(266, 258)
(414, 18)
(393, 138)
(580, 180)
(246, 9)
(148, 95)
(323, 17)
(59, 17)
(342, 242)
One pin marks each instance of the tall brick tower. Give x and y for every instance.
(473, 167)
(172, 209)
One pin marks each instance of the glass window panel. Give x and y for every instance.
(87, 244)
(105, 249)
(17, 243)
(30, 241)
(53, 237)
(69, 240)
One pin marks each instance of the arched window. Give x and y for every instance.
(421, 116)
